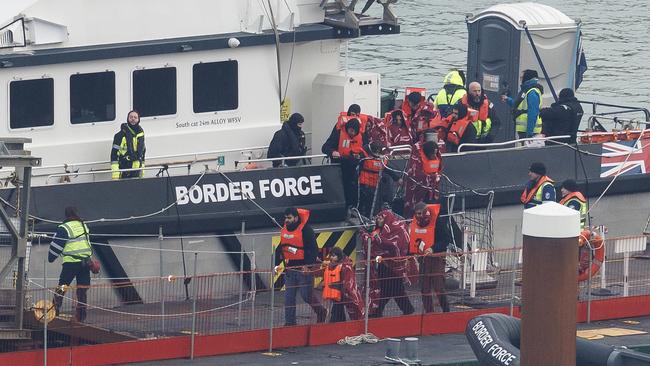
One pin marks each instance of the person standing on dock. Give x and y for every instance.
(574, 199)
(432, 267)
(298, 250)
(539, 188)
(340, 286)
(128, 149)
(528, 123)
(72, 242)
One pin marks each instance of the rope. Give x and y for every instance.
(356, 340)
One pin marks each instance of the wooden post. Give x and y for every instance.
(550, 285)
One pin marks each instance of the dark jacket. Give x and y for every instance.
(469, 137)
(310, 247)
(496, 122)
(562, 118)
(287, 141)
(127, 131)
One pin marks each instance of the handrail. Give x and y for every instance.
(157, 157)
(595, 104)
(617, 120)
(94, 172)
(513, 142)
(237, 162)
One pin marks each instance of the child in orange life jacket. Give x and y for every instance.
(422, 243)
(461, 129)
(340, 287)
(345, 146)
(373, 188)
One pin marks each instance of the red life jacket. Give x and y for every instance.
(527, 196)
(482, 113)
(349, 145)
(457, 130)
(427, 234)
(332, 276)
(291, 241)
(369, 172)
(430, 166)
(344, 118)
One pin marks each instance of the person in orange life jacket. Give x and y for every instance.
(390, 269)
(574, 199)
(539, 188)
(461, 129)
(419, 112)
(423, 172)
(372, 179)
(482, 113)
(563, 117)
(399, 130)
(423, 244)
(340, 287)
(298, 250)
(288, 141)
(345, 146)
(71, 241)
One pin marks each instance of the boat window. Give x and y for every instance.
(215, 86)
(31, 103)
(92, 97)
(154, 91)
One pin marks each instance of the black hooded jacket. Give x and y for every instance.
(288, 141)
(562, 118)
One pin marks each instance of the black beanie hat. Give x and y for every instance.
(529, 74)
(538, 168)
(566, 93)
(353, 124)
(295, 119)
(354, 108)
(570, 185)
(462, 110)
(414, 97)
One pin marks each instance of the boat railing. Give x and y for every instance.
(518, 144)
(618, 110)
(618, 122)
(270, 160)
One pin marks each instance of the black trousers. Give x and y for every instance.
(69, 272)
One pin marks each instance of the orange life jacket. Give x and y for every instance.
(291, 241)
(482, 113)
(344, 118)
(571, 195)
(430, 166)
(427, 234)
(332, 276)
(369, 172)
(527, 196)
(457, 130)
(349, 145)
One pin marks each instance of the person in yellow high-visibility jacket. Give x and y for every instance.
(128, 148)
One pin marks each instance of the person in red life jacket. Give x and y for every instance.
(340, 287)
(422, 176)
(345, 146)
(481, 113)
(375, 187)
(461, 129)
(298, 250)
(574, 199)
(539, 188)
(399, 130)
(419, 112)
(390, 267)
(423, 244)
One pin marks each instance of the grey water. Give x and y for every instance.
(433, 40)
